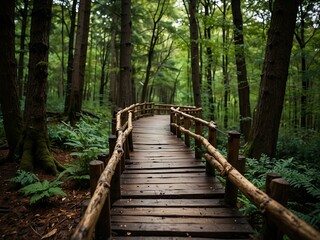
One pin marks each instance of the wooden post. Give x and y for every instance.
(198, 144)
(186, 136)
(279, 191)
(232, 157)
(104, 158)
(178, 123)
(130, 142)
(212, 138)
(103, 226)
(269, 178)
(115, 189)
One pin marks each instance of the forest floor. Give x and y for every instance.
(56, 219)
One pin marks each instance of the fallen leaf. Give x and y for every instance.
(50, 234)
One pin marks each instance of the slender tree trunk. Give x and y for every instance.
(24, 15)
(243, 85)
(79, 61)
(266, 122)
(9, 90)
(125, 94)
(70, 56)
(35, 144)
(113, 60)
(225, 63)
(61, 81)
(156, 31)
(195, 69)
(207, 34)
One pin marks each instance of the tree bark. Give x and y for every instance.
(125, 92)
(243, 85)
(79, 61)
(207, 34)
(9, 90)
(264, 134)
(24, 15)
(35, 144)
(70, 56)
(156, 31)
(195, 69)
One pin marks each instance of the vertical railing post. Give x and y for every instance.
(212, 138)
(198, 144)
(103, 225)
(186, 136)
(115, 188)
(232, 157)
(178, 123)
(278, 189)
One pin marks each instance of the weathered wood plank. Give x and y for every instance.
(170, 203)
(190, 230)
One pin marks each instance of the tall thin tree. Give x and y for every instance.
(243, 85)
(125, 92)
(264, 134)
(194, 47)
(79, 62)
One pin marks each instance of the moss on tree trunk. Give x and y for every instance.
(36, 152)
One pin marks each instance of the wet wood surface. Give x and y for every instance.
(166, 193)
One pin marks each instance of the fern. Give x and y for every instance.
(43, 190)
(24, 178)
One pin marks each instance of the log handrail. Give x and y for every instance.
(180, 119)
(288, 222)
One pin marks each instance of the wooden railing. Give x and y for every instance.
(279, 219)
(105, 173)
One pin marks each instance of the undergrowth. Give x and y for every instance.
(86, 141)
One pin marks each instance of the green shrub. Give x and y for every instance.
(42, 191)
(24, 178)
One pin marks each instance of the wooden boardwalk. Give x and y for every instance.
(166, 193)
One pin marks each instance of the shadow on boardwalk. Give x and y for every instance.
(166, 192)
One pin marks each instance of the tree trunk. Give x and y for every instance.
(9, 90)
(225, 63)
(156, 31)
(195, 70)
(243, 85)
(35, 145)
(113, 60)
(125, 94)
(207, 34)
(70, 56)
(24, 15)
(266, 122)
(79, 61)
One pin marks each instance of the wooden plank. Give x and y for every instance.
(169, 203)
(175, 220)
(196, 194)
(177, 212)
(156, 180)
(171, 186)
(190, 230)
(202, 174)
(160, 171)
(171, 238)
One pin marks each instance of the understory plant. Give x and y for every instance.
(42, 191)
(86, 140)
(24, 178)
(304, 183)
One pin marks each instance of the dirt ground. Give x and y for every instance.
(56, 219)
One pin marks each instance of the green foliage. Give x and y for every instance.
(75, 172)
(24, 178)
(86, 140)
(42, 191)
(304, 181)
